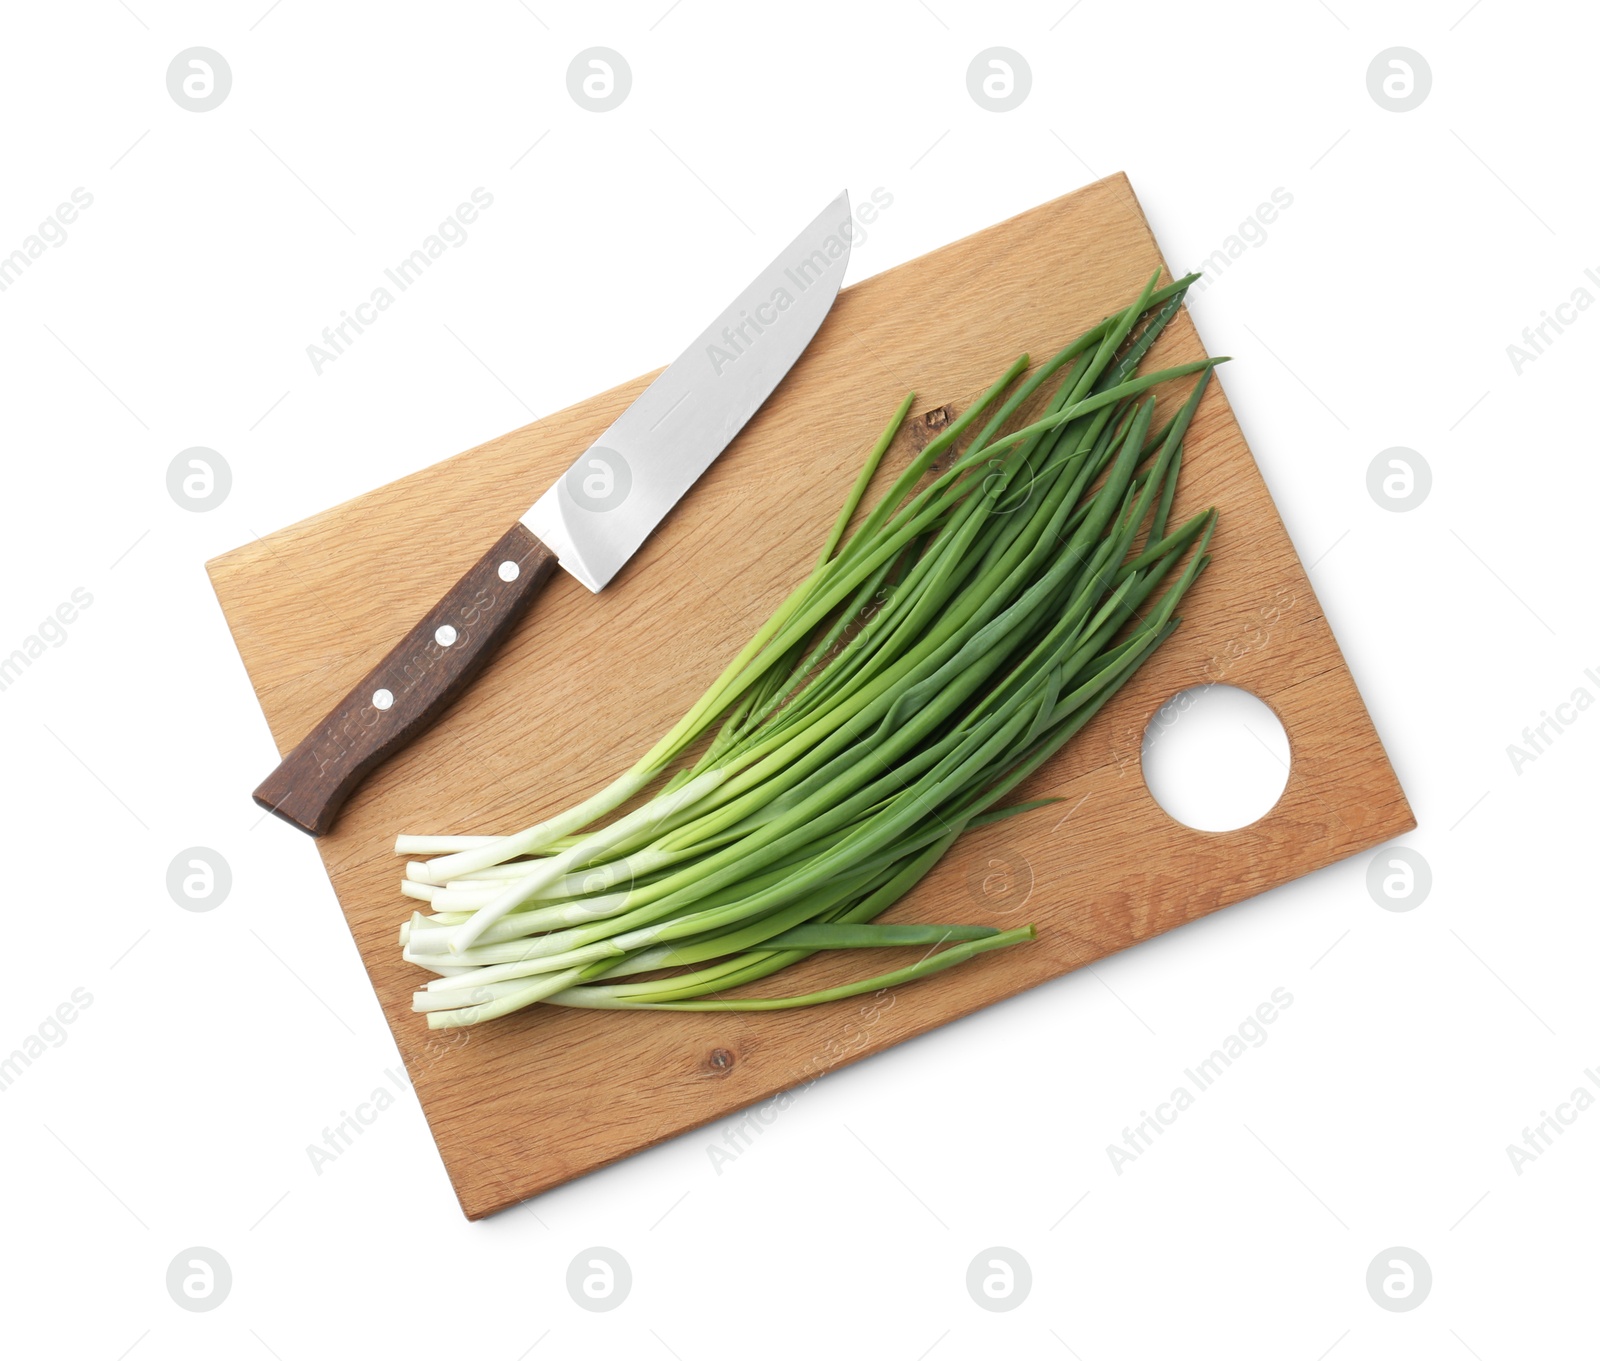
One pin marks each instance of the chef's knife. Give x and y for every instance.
(590, 522)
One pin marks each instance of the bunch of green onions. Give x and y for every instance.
(936, 655)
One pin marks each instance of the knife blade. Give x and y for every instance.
(620, 487)
(589, 522)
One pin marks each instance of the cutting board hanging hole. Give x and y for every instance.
(1215, 758)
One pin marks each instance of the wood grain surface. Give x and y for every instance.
(587, 682)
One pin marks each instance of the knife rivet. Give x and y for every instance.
(444, 635)
(509, 571)
(382, 699)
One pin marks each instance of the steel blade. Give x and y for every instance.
(618, 489)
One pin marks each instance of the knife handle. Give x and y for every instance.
(401, 696)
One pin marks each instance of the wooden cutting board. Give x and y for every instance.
(588, 682)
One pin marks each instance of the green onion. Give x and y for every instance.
(993, 599)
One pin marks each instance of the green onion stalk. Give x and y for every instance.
(944, 646)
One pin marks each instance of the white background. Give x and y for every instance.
(1376, 313)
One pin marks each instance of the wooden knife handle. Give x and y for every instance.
(401, 696)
